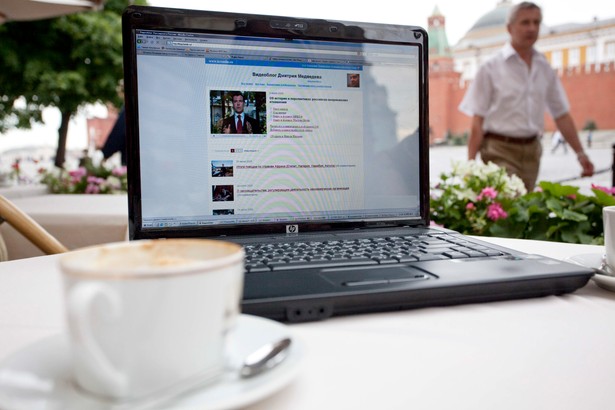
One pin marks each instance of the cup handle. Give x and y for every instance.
(81, 301)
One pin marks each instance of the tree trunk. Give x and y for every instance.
(62, 134)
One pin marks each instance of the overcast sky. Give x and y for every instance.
(460, 15)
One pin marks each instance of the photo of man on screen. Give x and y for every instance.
(240, 122)
(353, 80)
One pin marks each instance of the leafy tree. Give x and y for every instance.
(64, 62)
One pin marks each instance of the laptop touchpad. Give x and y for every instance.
(369, 276)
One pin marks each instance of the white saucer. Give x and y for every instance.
(594, 260)
(39, 377)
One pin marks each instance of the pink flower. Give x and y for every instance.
(572, 196)
(78, 173)
(470, 206)
(495, 212)
(95, 180)
(604, 189)
(92, 189)
(119, 171)
(488, 192)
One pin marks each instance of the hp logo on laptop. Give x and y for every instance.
(292, 229)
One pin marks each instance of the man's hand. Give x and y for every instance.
(226, 129)
(476, 137)
(588, 166)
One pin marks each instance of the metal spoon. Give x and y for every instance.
(262, 359)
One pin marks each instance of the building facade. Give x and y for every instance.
(582, 53)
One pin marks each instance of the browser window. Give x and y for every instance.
(255, 130)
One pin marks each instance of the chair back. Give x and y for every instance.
(29, 228)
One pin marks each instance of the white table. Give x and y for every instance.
(75, 220)
(554, 352)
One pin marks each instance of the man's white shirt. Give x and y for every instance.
(512, 97)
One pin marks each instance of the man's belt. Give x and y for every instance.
(511, 140)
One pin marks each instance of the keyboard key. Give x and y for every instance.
(258, 268)
(431, 257)
(455, 255)
(474, 254)
(405, 258)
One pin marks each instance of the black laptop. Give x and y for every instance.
(306, 141)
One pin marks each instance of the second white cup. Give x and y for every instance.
(608, 219)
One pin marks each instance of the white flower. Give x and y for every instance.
(463, 172)
(515, 186)
(114, 182)
(491, 168)
(465, 193)
(462, 168)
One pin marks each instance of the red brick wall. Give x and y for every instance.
(591, 92)
(442, 83)
(461, 123)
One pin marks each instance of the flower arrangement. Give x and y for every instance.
(474, 196)
(559, 213)
(86, 179)
(480, 199)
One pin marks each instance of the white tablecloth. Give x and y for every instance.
(21, 191)
(75, 220)
(555, 352)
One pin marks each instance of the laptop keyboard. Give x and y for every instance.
(373, 251)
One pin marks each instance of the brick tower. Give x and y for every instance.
(442, 78)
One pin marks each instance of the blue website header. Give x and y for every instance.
(287, 64)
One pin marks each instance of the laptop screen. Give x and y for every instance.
(255, 130)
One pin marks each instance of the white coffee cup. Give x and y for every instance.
(146, 315)
(608, 219)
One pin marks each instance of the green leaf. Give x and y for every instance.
(573, 216)
(603, 198)
(576, 237)
(558, 190)
(554, 205)
(507, 230)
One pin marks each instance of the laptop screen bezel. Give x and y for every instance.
(165, 19)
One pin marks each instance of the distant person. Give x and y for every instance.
(507, 100)
(353, 80)
(240, 122)
(116, 141)
(556, 141)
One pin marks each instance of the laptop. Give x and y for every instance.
(306, 141)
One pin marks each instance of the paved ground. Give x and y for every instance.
(556, 167)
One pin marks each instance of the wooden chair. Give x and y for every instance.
(29, 228)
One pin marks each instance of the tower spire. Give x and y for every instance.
(438, 42)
